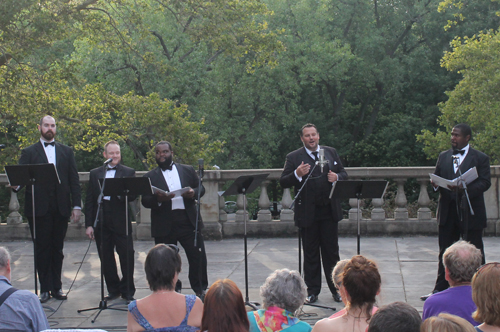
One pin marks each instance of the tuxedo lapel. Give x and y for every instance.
(119, 171)
(468, 161)
(182, 175)
(41, 151)
(161, 179)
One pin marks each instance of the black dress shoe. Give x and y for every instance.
(425, 297)
(44, 297)
(178, 286)
(58, 294)
(128, 298)
(112, 296)
(312, 298)
(336, 297)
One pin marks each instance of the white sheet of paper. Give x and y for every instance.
(177, 193)
(468, 177)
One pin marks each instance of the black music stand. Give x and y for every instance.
(128, 186)
(359, 189)
(24, 175)
(246, 184)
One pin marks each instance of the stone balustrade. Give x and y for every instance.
(218, 226)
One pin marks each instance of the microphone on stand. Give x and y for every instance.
(200, 167)
(108, 161)
(322, 161)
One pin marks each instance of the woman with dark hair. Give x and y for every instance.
(164, 309)
(283, 293)
(486, 296)
(224, 308)
(360, 284)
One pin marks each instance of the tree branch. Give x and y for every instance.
(165, 50)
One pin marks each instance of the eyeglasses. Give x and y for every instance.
(481, 268)
(174, 247)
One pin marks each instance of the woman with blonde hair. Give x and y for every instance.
(486, 296)
(446, 323)
(360, 284)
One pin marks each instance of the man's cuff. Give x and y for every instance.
(77, 208)
(296, 176)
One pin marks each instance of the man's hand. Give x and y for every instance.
(433, 184)
(332, 177)
(162, 197)
(90, 232)
(189, 193)
(75, 215)
(303, 169)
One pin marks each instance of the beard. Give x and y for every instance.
(164, 164)
(48, 135)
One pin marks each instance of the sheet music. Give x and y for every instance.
(468, 177)
(178, 192)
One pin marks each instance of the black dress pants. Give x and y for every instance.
(450, 233)
(183, 232)
(111, 240)
(50, 233)
(320, 243)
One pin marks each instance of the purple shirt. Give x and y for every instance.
(454, 300)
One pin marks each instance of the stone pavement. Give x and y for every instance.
(408, 268)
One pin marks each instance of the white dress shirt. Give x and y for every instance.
(50, 152)
(110, 174)
(174, 183)
(461, 157)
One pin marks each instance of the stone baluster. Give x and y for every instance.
(264, 213)
(378, 212)
(401, 212)
(14, 217)
(423, 213)
(241, 214)
(286, 201)
(353, 211)
(222, 204)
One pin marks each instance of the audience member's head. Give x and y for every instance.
(395, 317)
(5, 263)
(337, 272)
(446, 323)
(284, 289)
(486, 294)
(224, 308)
(162, 267)
(461, 260)
(361, 280)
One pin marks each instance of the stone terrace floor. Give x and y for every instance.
(408, 267)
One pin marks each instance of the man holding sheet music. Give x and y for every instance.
(453, 202)
(54, 204)
(114, 232)
(173, 216)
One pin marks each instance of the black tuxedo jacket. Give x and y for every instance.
(116, 204)
(161, 215)
(304, 206)
(445, 169)
(67, 193)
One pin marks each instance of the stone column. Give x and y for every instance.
(241, 214)
(264, 213)
(401, 212)
(424, 213)
(286, 201)
(143, 230)
(14, 217)
(378, 212)
(222, 204)
(353, 212)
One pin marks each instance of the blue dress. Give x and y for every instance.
(139, 318)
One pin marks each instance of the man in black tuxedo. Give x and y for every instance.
(114, 233)
(453, 201)
(173, 219)
(54, 204)
(316, 215)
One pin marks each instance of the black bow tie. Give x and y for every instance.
(167, 167)
(53, 143)
(112, 168)
(459, 152)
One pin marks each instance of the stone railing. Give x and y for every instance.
(217, 224)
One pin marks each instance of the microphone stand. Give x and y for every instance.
(299, 236)
(196, 230)
(463, 220)
(103, 303)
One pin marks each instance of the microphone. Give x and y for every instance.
(200, 167)
(108, 161)
(322, 160)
